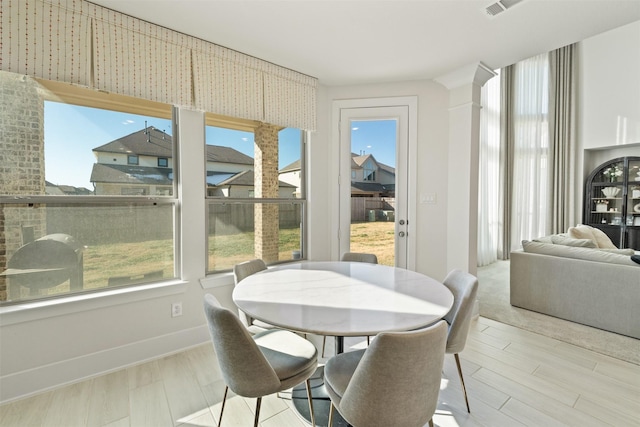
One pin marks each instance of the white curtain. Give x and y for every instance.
(531, 156)
(489, 216)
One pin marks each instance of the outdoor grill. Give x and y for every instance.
(44, 263)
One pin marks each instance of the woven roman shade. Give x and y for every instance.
(289, 98)
(48, 40)
(77, 42)
(134, 58)
(229, 83)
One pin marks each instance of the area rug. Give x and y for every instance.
(493, 294)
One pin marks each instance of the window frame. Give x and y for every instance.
(83, 97)
(133, 159)
(245, 125)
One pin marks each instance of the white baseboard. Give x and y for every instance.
(43, 378)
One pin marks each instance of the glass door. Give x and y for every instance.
(373, 182)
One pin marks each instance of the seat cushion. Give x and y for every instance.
(292, 357)
(263, 325)
(338, 372)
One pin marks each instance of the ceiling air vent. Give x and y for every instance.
(500, 6)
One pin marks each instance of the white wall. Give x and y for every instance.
(610, 88)
(432, 151)
(609, 100)
(45, 345)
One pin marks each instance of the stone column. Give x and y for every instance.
(464, 87)
(265, 184)
(21, 161)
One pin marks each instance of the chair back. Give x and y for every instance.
(242, 270)
(247, 268)
(397, 380)
(359, 257)
(244, 368)
(464, 287)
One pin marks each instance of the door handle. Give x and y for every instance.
(401, 234)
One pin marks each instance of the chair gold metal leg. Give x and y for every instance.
(224, 400)
(312, 415)
(324, 342)
(368, 340)
(330, 422)
(464, 389)
(255, 421)
(431, 422)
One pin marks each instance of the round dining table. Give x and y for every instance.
(342, 299)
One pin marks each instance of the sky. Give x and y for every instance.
(377, 137)
(71, 132)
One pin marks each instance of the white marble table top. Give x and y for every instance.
(343, 298)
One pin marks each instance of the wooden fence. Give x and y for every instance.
(372, 209)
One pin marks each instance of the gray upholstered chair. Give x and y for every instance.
(464, 287)
(259, 365)
(241, 271)
(393, 382)
(354, 257)
(359, 257)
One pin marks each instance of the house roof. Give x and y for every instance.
(151, 141)
(245, 178)
(221, 154)
(371, 187)
(66, 189)
(145, 142)
(357, 160)
(291, 167)
(127, 174)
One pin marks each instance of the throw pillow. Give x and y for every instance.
(587, 232)
(569, 241)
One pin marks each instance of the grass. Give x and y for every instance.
(374, 237)
(133, 260)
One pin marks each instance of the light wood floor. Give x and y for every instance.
(513, 378)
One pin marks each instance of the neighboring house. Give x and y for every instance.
(369, 178)
(240, 185)
(65, 190)
(141, 163)
(292, 174)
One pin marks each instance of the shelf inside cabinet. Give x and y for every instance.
(622, 224)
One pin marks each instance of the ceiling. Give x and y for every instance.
(362, 41)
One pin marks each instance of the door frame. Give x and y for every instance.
(411, 102)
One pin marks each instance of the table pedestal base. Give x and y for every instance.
(321, 402)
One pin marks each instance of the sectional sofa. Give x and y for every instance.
(578, 280)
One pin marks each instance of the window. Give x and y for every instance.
(65, 226)
(254, 194)
(132, 159)
(369, 170)
(163, 162)
(530, 149)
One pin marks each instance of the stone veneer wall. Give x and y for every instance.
(266, 217)
(21, 162)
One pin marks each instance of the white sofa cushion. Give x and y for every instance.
(586, 254)
(558, 239)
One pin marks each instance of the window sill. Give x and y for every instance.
(37, 310)
(217, 280)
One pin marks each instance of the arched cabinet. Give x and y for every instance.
(612, 201)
